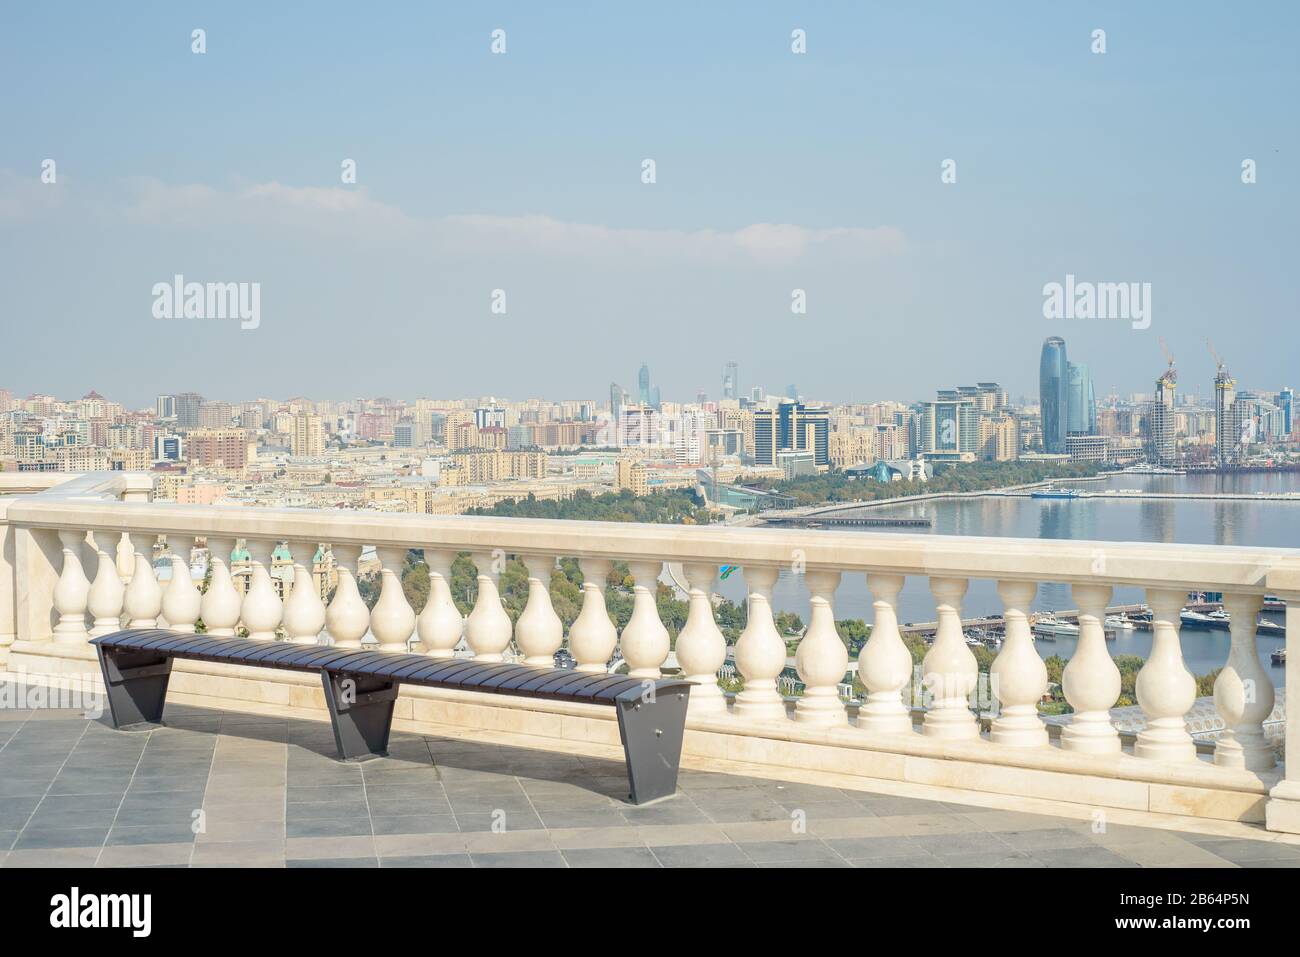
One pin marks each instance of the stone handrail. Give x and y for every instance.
(1218, 568)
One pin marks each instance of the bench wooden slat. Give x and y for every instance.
(361, 686)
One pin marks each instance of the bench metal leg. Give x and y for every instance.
(361, 711)
(651, 728)
(136, 685)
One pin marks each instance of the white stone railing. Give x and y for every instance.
(62, 574)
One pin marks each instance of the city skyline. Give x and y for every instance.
(388, 282)
(1191, 386)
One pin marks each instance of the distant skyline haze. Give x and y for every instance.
(919, 174)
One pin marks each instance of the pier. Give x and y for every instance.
(1137, 495)
(822, 521)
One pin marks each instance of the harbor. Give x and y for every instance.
(1051, 625)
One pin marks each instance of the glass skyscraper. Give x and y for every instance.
(1053, 388)
(1081, 405)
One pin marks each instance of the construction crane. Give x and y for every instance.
(1171, 374)
(1218, 361)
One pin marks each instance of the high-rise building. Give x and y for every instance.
(169, 448)
(1081, 401)
(252, 415)
(1285, 399)
(638, 425)
(643, 385)
(216, 415)
(1053, 382)
(165, 407)
(187, 410)
(692, 436)
(950, 428)
(1161, 432)
(630, 474)
(227, 448)
(731, 381)
(1227, 436)
(792, 427)
(408, 434)
(996, 396)
(999, 438)
(490, 417)
(308, 436)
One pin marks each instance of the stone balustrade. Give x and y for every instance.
(78, 565)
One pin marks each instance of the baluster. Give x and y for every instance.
(392, 620)
(104, 601)
(72, 591)
(304, 612)
(592, 636)
(1018, 674)
(1282, 812)
(644, 641)
(142, 601)
(347, 618)
(262, 610)
(1243, 692)
(1166, 690)
(701, 648)
(181, 601)
(220, 605)
(487, 629)
(1090, 680)
(949, 669)
(539, 631)
(440, 624)
(884, 663)
(760, 652)
(822, 657)
(125, 552)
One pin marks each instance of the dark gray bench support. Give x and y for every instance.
(361, 713)
(361, 688)
(136, 682)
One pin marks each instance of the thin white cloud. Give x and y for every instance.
(352, 211)
(764, 243)
(25, 197)
(270, 203)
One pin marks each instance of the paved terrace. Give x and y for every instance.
(73, 792)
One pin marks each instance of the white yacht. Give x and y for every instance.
(1049, 626)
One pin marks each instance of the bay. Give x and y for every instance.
(1189, 521)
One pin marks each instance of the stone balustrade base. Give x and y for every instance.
(1194, 789)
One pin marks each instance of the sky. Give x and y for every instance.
(522, 172)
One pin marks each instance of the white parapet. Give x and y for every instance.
(64, 577)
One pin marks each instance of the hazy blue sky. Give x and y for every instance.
(522, 172)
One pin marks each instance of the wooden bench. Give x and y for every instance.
(362, 686)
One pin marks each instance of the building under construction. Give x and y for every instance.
(1227, 415)
(1162, 445)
